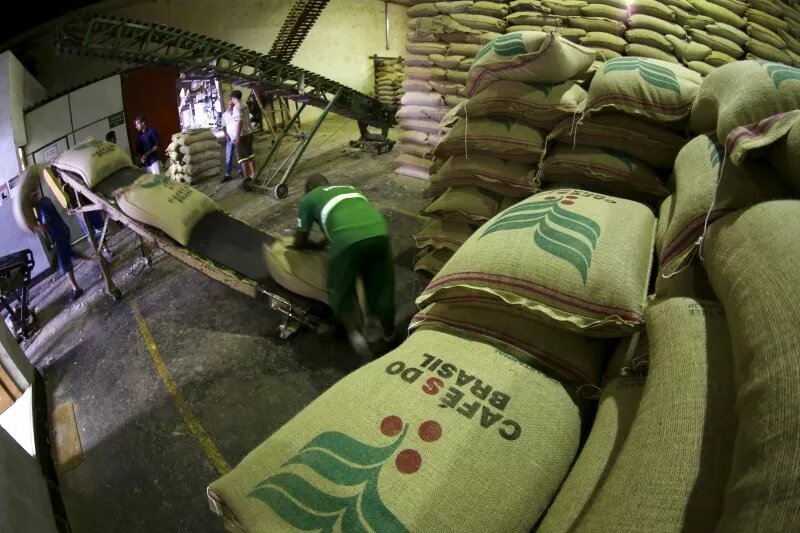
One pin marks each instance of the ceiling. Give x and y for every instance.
(10, 32)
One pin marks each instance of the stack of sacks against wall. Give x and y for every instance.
(443, 40)
(389, 80)
(518, 89)
(194, 155)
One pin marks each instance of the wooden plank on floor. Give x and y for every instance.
(67, 441)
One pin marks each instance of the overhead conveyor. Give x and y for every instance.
(143, 43)
(302, 16)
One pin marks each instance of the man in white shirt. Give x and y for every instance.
(231, 128)
(244, 135)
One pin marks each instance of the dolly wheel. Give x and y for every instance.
(281, 191)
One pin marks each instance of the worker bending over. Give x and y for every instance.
(49, 221)
(359, 243)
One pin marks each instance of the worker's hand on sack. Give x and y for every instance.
(143, 159)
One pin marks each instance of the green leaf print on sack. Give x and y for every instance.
(714, 150)
(780, 72)
(506, 45)
(354, 467)
(652, 73)
(557, 231)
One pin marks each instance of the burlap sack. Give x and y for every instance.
(765, 19)
(415, 161)
(765, 51)
(419, 137)
(648, 38)
(600, 24)
(691, 282)
(564, 7)
(760, 33)
(704, 69)
(93, 161)
(630, 358)
(744, 93)
(489, 9)
(413, 172)
(524, 5)
(584, 268)
(598, 39)
(648, 88)
(621, 4)
(561, 355)
(619, 402)
(447, 87)
(22, 204)
(453, 100)
(751, 260)
(715, 42)
(688, 50)
(657, 25)
(465, 49)
(170, 206)
(425, 73)
(532, 18)
(418, 61)
(464, 204)
(411, 416)
(417, 86)
(642, 50)
(718, 13)
(588, 166)
(444, 61)
(480, 22)
(442, 234)
(748, 139)
(791, 42)
(198, 157)
(736, 6)
(728, 32)
(530, 57)
(501, 137)
(536, 104)
(571, 34)
(672, 467)
(418, 150)
(431, 261)
(190, 137)
(654, 8)
(199, 147)
(604, 54)
(515, 179)
(717, 59)
(426, 48)
(698, 186)
(421, 125)
(784, 154)
(691, 19)
(656, 146)
(604, 11)
(197, 168)
(422, 112)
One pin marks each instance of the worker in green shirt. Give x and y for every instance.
(359, 245)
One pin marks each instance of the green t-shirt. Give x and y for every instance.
(343, 214)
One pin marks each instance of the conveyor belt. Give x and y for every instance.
(135, 42)
(301, 18)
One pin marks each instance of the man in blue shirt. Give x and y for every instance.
(148, 144)
(50, 222)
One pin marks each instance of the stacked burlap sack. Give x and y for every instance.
(443, 40)
(699, 33)
(194, 155)
(389, 80)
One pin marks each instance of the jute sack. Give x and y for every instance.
(480, 22)
(443, 234)
(199, 147)
(528, 56)
(413, 172)
(613, 3)
(422, 86)
(670, 471)
(426, 48)
(445, 61)
(524, 5)
(422, 112)
(457, 76)
(193, 136)
(690, 282)
(419, 137)
(414, 160)
(604, 54)
(704, 69)
(744, 93)
(431, 261)
(438, 403)
(564, 7)
(748, 139)
(630, 358)
(691, 19)
(600, 10)
(737, 6)
(501, 137)
(197, 168)
(446, 87)
(453, 100)
(654, 145)
(524, 27)
(418, 150)
(765, 19)
(760, 33)
(784, 154)
(751, 260)
(199, 157)
(715, 42)
(465, 49)
(426, 126)
(766, 51)
(464, 204)
(425, 73)
(615, 413)
(572, 34)
(644, 87)
(718, 13)
(791, 42)
(688, 50)
(93, 161)
(458, 6)
(648, 38)
(489, 9)
(172, 207)
(717, 59)
(728, 32)
(531, 18)
(587, 165)
(418, 61)
(601, 24)
(536, 104)
(599, 39)
(485, 171)
(564, 356)
(22, 204)
(650, 52)
(699, 189)
(653, 8)
(657, 25)
(581, 262)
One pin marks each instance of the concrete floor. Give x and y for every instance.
(144, 469)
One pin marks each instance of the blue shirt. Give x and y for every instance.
(48, 215)
(147, 141)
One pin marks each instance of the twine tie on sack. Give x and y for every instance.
(701, 239)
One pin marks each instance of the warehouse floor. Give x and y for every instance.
(158, 422)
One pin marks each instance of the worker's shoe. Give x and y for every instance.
(360, 346)
(76, 294)
(226, 179)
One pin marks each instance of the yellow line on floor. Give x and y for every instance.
(194, 425)
(405, 212)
